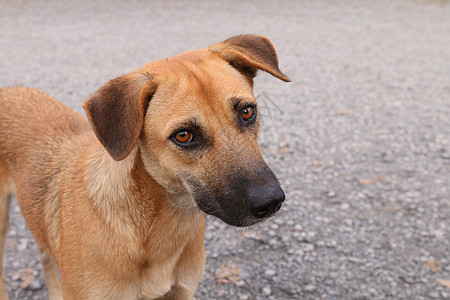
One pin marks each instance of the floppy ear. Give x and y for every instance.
(116, 112)
(248, 53)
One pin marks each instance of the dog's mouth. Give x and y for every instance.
(240, 219)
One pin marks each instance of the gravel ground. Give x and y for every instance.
(360, 139)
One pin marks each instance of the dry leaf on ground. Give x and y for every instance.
(283, 150)
(27, 276)
(371, 180)
(11, 243)
(433, 265)
(228, 273)
(344, 112)
(318, 164)
(444, 282)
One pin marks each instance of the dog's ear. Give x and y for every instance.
(248, 53)
(116, 112)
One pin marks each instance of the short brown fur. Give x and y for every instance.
(114, 202)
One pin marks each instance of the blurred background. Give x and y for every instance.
(360, 139)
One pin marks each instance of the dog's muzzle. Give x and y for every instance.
(242, 199)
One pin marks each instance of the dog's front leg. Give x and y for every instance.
(178, 293)
(5, 201)
(50, 269)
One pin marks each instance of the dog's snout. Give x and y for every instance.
(263, 202)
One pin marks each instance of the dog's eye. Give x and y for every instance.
(183, 137)
(248, 113)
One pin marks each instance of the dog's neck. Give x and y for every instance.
(128, 197)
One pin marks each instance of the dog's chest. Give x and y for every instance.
(174, 259)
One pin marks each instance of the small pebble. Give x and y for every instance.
(309, 288)
(267, 290)
(331, 194)
(240, 283)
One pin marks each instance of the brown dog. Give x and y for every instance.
(119, 206)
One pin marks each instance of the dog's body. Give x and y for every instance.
(57, 167)
(114, 204)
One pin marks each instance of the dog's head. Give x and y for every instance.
(195, 121)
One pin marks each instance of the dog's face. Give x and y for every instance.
(198, 125)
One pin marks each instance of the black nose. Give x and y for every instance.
(264, 201)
